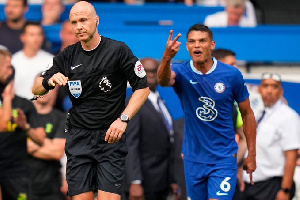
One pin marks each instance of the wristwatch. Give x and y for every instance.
(124, 118)
(286, 190)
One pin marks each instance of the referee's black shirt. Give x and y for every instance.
(100, 78)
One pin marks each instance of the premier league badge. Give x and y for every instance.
(75, 88)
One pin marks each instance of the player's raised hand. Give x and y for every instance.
(58, 79)
(173, 46)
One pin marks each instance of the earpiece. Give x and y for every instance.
(97, 22)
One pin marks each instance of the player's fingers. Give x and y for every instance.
(251, 178)
(177, 37)
(177, 44)
(171, 35)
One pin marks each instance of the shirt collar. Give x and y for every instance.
(210, 71)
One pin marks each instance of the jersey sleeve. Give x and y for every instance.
(55, 66)
(240, 90)
(175, 68)
(132, 68)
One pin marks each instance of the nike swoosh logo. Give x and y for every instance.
(75, 66)
(221, 193)
(193, 82)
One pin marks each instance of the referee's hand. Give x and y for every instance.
(58, 79)
(115, 131)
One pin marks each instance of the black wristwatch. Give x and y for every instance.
(286, 190)
(124, 118)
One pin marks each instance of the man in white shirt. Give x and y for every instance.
(278, 138)
(232, 16)
(31, 60)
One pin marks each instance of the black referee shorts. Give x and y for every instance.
(94, 164)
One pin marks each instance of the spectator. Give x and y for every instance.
(232, 16)
(31, 60)
(278, 138)
(52, 11)
(207, 90)
(18, 120)
(44, 161)
(297, 177)
(187, 2)
(67, 35)
(150, 159)
(11, 29)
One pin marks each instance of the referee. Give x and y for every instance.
(96, 70)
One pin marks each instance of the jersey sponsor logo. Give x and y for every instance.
(193, 82)
(105, 85)
(219, 87)
(207, 111)
(139, 69)
(75, 88)
(72, 68)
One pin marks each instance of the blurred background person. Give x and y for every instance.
(150, 139)
(18, 120)
(44, 161)
(11, 29)
(278, 139)
(234, 15)
(31, 60)
(52, 11)
(297, 177)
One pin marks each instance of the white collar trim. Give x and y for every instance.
(199, 72)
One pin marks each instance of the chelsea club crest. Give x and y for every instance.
(219, 87)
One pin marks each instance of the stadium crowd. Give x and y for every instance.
(32, 129)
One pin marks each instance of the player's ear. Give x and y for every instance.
(213, 45)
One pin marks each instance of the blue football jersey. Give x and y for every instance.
(207, 101)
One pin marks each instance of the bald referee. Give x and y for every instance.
(96, 70)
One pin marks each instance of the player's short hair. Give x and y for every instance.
(202, 28)
(220, 54)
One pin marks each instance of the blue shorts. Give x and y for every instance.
(205, 181)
